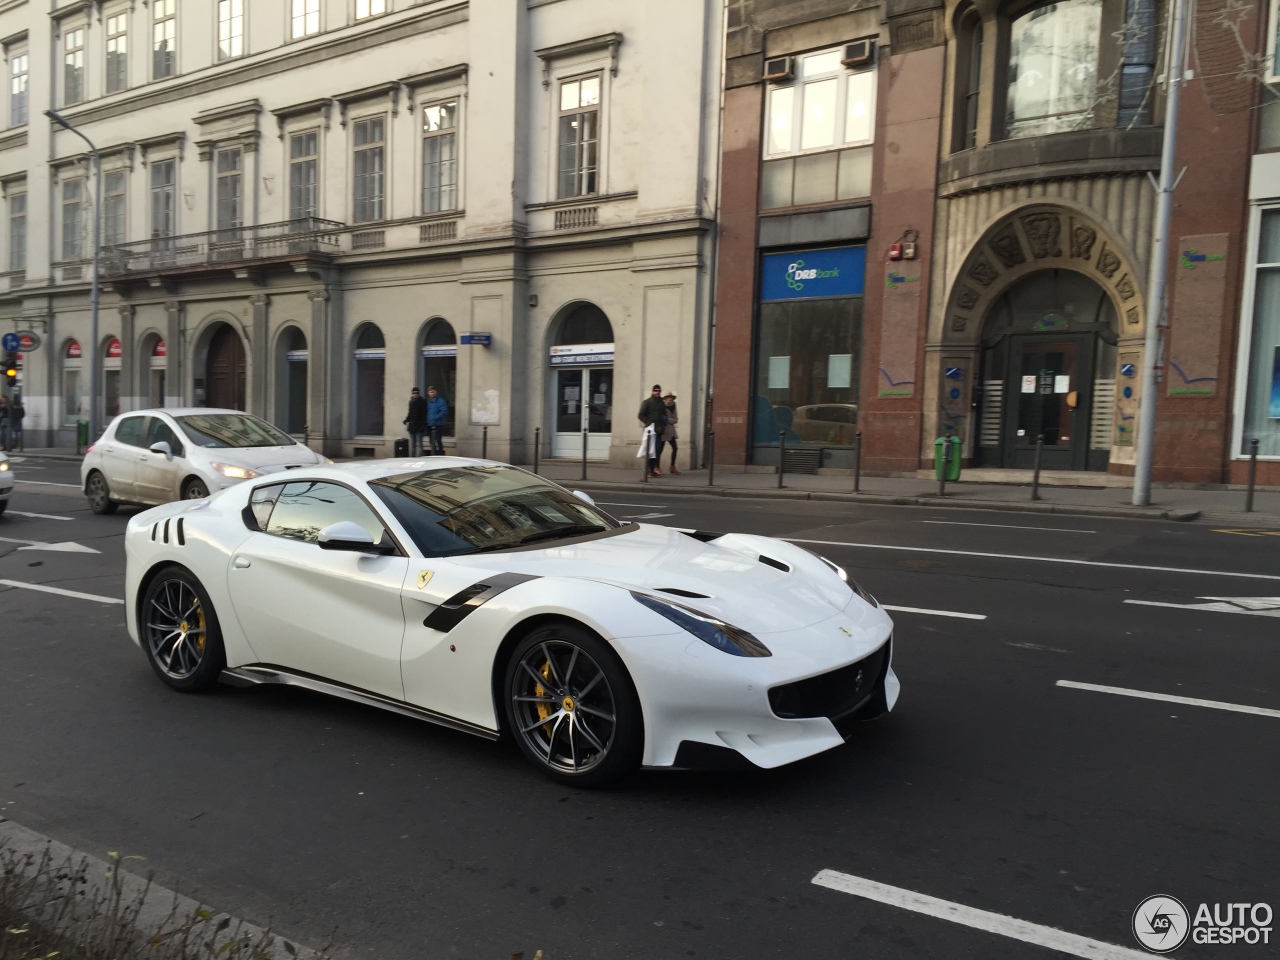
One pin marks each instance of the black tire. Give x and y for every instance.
(3, 505)
(99, 494)
(584, 679)
(194, 489)
(179, 631)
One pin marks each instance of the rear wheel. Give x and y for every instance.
(99, 494)
(194, 489)
(180, 632)
(571, 706)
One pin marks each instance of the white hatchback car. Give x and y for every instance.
(158, 456)
(6, 482)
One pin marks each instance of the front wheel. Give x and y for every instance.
(194, 489)
(180, 632)
(571, 706)
(99, 494)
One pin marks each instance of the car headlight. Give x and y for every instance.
(235, 472)
(723, 636)
(853, 584)
(4, 467)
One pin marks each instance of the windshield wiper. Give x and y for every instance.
(567, 530)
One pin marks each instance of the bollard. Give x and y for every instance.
(857, 462)
(537, 447)
(1253, 475)
(484, 444)
(946, 463)
(782, 455)
(1035, 470)
(711, 460)
(584, 454)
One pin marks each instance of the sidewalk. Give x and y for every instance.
(1057, 491)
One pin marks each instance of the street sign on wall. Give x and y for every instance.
(813, 274)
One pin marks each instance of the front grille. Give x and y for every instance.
(831, 695)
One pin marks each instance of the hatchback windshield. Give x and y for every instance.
(478, 508)
(232, 430)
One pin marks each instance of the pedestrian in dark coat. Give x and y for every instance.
(416, 422)
(653, 413)
(669, 435)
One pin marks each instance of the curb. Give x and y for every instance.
(1006, 506)
(37, 455)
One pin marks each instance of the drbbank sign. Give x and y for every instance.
(813, 274)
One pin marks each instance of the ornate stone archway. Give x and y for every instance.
(1028, 239)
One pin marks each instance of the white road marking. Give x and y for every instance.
(936, 613)
(1169, 698)
(1248, 606)
(39, 516)
(1014, 556)
(649, 516)
(651, 506)
(1011, 927)
(1005, 526)
(67, 546)
(75, 594)
(46, 483)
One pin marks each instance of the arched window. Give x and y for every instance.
(582, 357)
(111, 355)
(291, 381)
(439, 367)
(73, 406)
(369, 381)
(1053, 69)
(153, 359)
(585, 323)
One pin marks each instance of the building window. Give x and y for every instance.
(72, 395)
(440, 157)
(1053, 68)
(369, 154)
(440, 366)
(1261, 418)
(230, 29)
(229, 163)
(117, 52)
(164, 38)
(72, 209)
(113, 208)
(18, 231)
(19, 68)
(291, 381)
(971, 87)
(1139, 42)
(370, 380)
(305, 19)
(303, 161)
(164, 207)
(73, 66)
(579, 155)
(370, 8)
(823, 124)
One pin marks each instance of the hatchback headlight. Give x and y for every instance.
(4, 467)
(723, 636)
(853, 584)
(235, 472)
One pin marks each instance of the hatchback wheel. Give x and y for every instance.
(571, 706)
(194, 489)
(180, 632)
(99, 494)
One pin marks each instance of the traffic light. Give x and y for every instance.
(11, 368)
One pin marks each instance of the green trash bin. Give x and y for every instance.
(952, 461)
(82, 433)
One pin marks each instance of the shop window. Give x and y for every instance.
(1053, 68)
(1261, 418)
(73, 406)
(291, 379)
(370, 381)
(440, 366)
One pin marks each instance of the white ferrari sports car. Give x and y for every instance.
(481, 597)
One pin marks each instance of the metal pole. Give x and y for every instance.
(782, 455)
(484, 443)
(1253, 475)
(537, 447)
(1159, 261)
(857, 462)
(94, 374)
(1035, 474)
(711, 459)
(584, 454)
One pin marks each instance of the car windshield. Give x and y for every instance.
(232, 430)
(480, 508)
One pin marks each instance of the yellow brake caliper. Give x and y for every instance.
(203, 633)
(544, 711)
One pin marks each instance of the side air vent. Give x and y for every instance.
(769, 561)
(182, 539)
(155, 528)
(677, 592)
(166, 531)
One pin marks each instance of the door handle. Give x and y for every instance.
(240, 563)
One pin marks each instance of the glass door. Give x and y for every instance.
(599, 408)
(583, 401)
(1049, 380)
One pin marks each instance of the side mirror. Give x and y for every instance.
(162, 446)
(348, 535)
(585, 498)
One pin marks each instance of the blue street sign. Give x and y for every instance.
(813, 274)
(477, 339)
(955, 373)
(955, 393)
(11, 342)
(1127, 370)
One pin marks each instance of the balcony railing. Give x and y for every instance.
(221, 248)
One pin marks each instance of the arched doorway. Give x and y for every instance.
(581, 358)
(111, 355)
(439, 356)
(370, 381)
(225, 369)
(153, 364)
(1048, 370)
(292, 361)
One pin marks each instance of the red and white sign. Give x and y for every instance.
(30, 341)
(159, 350)
(73, 350)
(113, 348)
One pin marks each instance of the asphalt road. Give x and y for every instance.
(991, 786)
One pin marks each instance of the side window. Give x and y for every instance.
(304, 509)
(130, 431)
(158, 431)
(262, 501)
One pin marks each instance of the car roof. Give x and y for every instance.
(185, 412)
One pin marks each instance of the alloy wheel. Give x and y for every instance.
(564, 707)
(176, 629)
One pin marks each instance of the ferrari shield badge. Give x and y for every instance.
(424, 577)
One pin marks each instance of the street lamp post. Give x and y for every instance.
(92, 358)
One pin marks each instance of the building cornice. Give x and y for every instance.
(444, 75)
(320, 107)
(606, 41)
(14, 140)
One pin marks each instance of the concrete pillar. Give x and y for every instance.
(178, 393)
(129, 393)
(259, 357)
(324, 381)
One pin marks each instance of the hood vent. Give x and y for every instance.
(706, 536)
(769, 561)
(677, 592)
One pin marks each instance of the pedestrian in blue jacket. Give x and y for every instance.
(437, 419)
